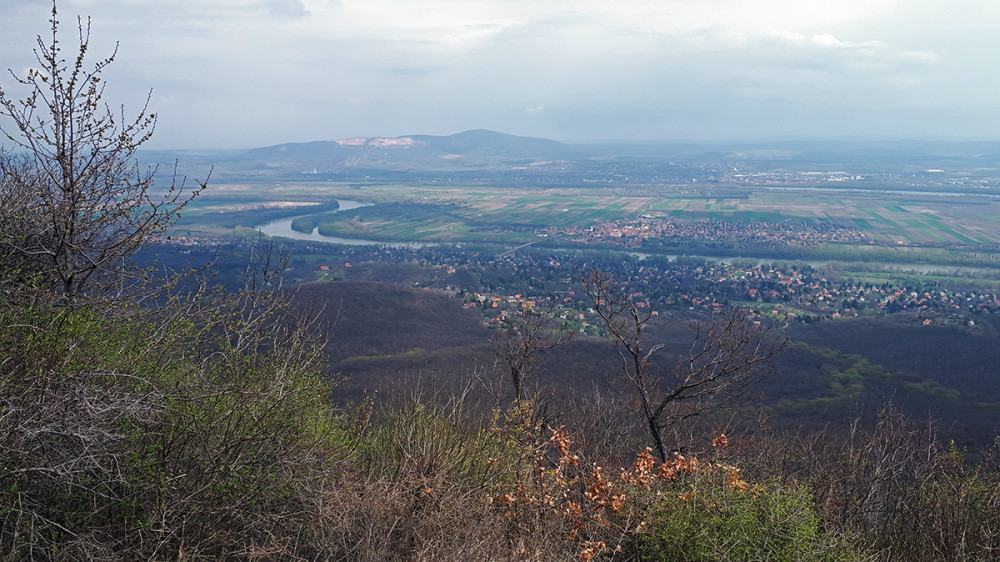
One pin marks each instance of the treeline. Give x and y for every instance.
(351, 223)
(964, 256)
(246, 218)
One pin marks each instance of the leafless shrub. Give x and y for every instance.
(912, 496)
(891, 484)
(519, 344)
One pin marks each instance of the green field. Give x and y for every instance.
(902, 226)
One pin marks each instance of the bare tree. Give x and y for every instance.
(84, 204)
(519, 344)
(724, 358)
(136, 431)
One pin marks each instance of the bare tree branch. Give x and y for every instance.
(519, 344)
(724, 358)
(82, 203)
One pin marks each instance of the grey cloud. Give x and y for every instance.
(251, 72)
(415, 70)
(285, 8)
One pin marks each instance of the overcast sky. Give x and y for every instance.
(245, 73)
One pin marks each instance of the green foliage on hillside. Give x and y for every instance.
(200, 427)
(137, 432)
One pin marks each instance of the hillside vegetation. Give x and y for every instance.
(200, 429)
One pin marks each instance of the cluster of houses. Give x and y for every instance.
(788, 292)
(633, 232)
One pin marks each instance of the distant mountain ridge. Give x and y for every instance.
(475, 148)
(482, 155)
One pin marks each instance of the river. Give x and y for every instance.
(283, 228)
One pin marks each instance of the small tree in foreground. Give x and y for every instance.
(724, 358)
(77, 205)
(519, 344)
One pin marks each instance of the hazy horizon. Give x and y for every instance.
(749, 142)
(249, 73)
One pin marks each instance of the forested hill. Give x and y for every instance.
(475, 148)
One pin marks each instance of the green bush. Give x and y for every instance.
(711, 522)
(166, 429)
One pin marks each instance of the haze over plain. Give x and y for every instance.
(245, 73)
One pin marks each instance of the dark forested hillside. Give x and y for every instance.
(386, 334)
